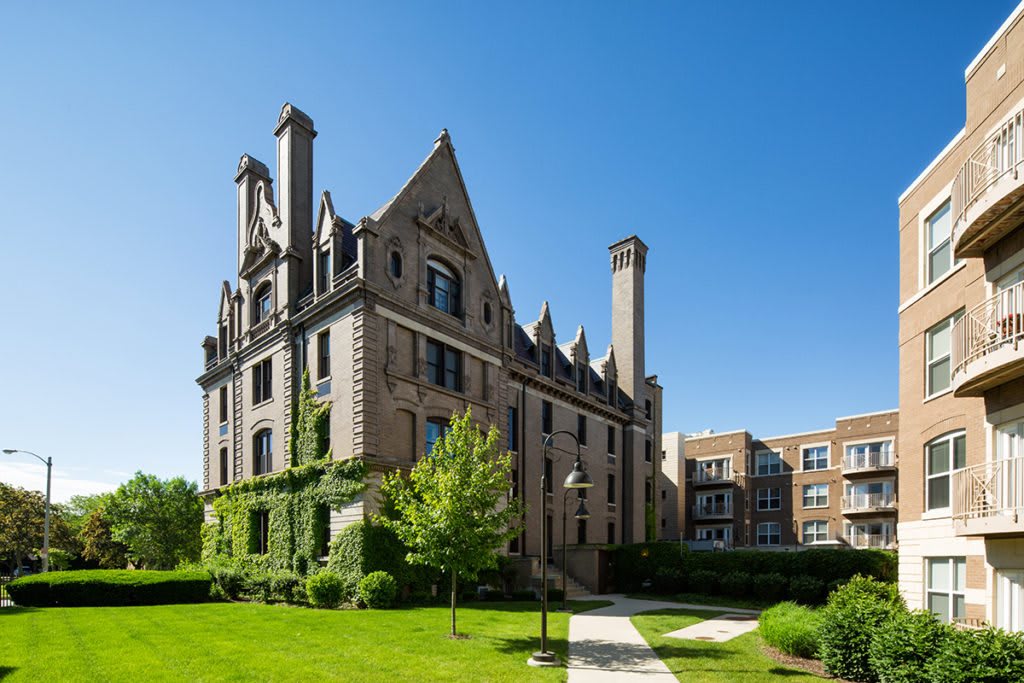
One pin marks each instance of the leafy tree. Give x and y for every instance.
(158, 521)
(22, 522)
(310, 427)
(98, 542)
(78, 509)
(452, 511)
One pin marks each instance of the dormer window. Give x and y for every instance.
(581, 378)
(545, 360)
(612, 395)
(324, 283)
(444, 287)
(262, 309)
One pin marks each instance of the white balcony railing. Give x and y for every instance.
(868, 501)
(996, 156)
(704, 510)
(870, 540)
(869, 460)
(992, 324)
(712, 473)
(990, 489)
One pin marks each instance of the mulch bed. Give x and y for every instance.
(813, 666)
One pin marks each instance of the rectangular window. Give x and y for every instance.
(946, 585)
(938, 361)
(712, 504)
(444, 365)
(875, 494)
(513, 428)
(715, 533)
(613, 395)
(719, 469)
(648, 492)
(582, 378)
(942, 456)
(545, 360)
(815, 458)
(262, 376)
(611, 440)
(323, 342)
(611, 489)
(324, 513)
(263, 449)
(940, 249)
(769, 499)
(815, 531)
(223, 405)
(325, 271)
(223, 466)
(768, 463)
(611, 532)
(549, 486)
(262, 523)
(647, 409)
(769, 533)
(1010, 599)
(546, 417)
(865, 455)
(647, 451)
(816, 496)
(581, 429)
(435, 428)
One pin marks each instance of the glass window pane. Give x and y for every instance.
(938, 492)
(939, 605)
(938, 458)
(938, 341)
(960, 574)
(939, 226)
(938, 574)
(960, 451)
(939, 262)
(938, 376)
(959, 608)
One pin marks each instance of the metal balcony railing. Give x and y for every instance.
(868, 501)
(702, 511)
(996, 156)
(990, 489)
(882, 541)
(870, 460)
(712, 473)
(992, 324)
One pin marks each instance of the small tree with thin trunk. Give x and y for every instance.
(453, 511)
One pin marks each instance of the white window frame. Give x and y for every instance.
(929, 363)
(950, 438)
(768, 533)
(930, 249)
(771, 463)
(816, 496)
(1010, 599)
(824, 538)
(708, 533)
(768, 499)
(714, 463)
(958, 584)
(888, 450)
(808, 446)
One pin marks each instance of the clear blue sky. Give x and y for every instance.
(758, 148)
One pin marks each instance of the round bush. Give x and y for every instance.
(903, 645)
(768, 587)
(110, 588)
(807, 590)
(791, 628)
(703, 581)
(736, 584)
(378, 590)
(992, 656)
(849, 620)
(324, 589)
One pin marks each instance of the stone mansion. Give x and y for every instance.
(401, 320)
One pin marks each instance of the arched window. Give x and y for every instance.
(487, 313)
(261, 306)
(395, 265)
(263, 444)
(436, 427)
(444, 287)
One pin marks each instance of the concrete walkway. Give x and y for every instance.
(605, 646)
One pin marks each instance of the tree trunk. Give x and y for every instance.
(453, 603)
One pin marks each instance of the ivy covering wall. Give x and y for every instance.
(296, 503)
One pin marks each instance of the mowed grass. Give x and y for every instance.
(254, 642)
(735, 661)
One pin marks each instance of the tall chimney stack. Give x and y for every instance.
(295, 135)
(628, 261)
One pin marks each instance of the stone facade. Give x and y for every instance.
(961, 362)
(402, 321)
(835, 487)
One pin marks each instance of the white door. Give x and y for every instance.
(1010, 600)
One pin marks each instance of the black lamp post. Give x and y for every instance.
(577, 479)
(581, 514)
(46, 519)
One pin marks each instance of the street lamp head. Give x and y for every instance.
(582, 512)
(8, 451)
(578, 478)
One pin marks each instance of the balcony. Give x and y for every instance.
(877, 541)
(712, 510)
(868, 502)
(988, 499)
(873, 461)
(987, 343)
(988, 190)
(712, 474)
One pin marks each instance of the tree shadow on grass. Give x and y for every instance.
(528, 644)
(6, 671)
(783, 671)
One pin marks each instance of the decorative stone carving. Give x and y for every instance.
(441, 221)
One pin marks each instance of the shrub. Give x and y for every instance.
(904, 644)
(362, 548)
(668, 580)
(992, 656)
(702, 581)
(849, 619)
(286, 586)
(229, 579)
(378, 590)
(554, 595)
(791, 628)
(524, 595)
(324, 589)
(634, 564)
(736, 584)
(768, 587)
(110, 587)
(257, 583)
(807, 590)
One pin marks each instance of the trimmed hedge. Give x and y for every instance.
(791, 628)
(992, 656)
(324, 589)
(110, 588)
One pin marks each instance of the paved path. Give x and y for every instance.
(605, 646)
(718, 629)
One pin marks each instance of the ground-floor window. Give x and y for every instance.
(715, 533)
(815, 531)
(769, 533)
(946, 580)
(1010, 599)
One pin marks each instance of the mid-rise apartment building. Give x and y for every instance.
(961, 395)
(401, 321)
(833, 487)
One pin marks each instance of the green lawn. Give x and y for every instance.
(254, 642)
(735, 661)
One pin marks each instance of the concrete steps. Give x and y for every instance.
(573, 589)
